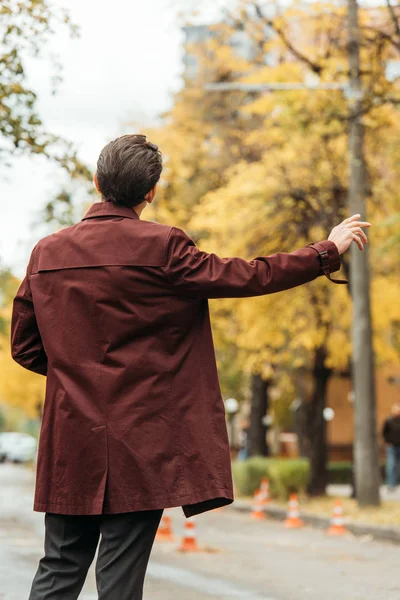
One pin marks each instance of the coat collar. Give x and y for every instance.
(109, 209)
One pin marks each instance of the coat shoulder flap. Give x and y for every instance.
(104, 242)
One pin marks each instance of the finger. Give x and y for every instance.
(352, 218)
(358, 241)
(358, 231)
(359, 224)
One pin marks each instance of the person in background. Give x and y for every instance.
(391, 435)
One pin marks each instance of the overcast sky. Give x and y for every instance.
(124, 67)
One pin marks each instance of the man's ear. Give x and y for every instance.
(96, 183)
(149, 197)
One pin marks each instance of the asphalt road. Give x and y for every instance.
(241, 559)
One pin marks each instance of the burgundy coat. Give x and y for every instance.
(114, 311)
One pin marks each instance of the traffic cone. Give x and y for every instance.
(189, 540)
(337, 523)
(258, 513)
(293, 520)
(164, 532)
(264, 489)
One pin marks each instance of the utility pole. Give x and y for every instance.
(363, 375)
(367, 477)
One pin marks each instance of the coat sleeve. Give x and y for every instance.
(194, 272)
(26, 343)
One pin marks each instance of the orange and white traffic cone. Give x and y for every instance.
(189, 540)
(293, 520)
(164, 532)
(264, 489)
(337, 523)
(258, 513)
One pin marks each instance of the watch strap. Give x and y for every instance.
(325, 264)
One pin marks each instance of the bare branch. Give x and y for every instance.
(313, 66)
(383, 35)
(395, 20)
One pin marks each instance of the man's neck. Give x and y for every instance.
(138, 209)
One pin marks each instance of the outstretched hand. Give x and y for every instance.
(350, 230)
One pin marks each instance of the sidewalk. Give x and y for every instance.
(382, 532)
(345, 491)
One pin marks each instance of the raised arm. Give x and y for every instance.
(194, 272)
(206, 275)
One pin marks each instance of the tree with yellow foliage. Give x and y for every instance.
(18, 387)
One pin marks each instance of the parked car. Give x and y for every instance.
(17, 447)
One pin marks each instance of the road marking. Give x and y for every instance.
(208, 585)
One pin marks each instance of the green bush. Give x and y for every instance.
(285, 475)
(288, 476)
(340, 472)
(247, 474)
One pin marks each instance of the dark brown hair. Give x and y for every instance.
(127, 169)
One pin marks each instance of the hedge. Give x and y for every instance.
(340, 472)
(285, 475)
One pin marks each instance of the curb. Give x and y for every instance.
(378, 532)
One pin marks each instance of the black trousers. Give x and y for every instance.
(71, 543)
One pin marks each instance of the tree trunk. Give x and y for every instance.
(318, 452)
(259, 404)
(366, 445)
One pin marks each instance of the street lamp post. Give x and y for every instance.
(273, 87)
